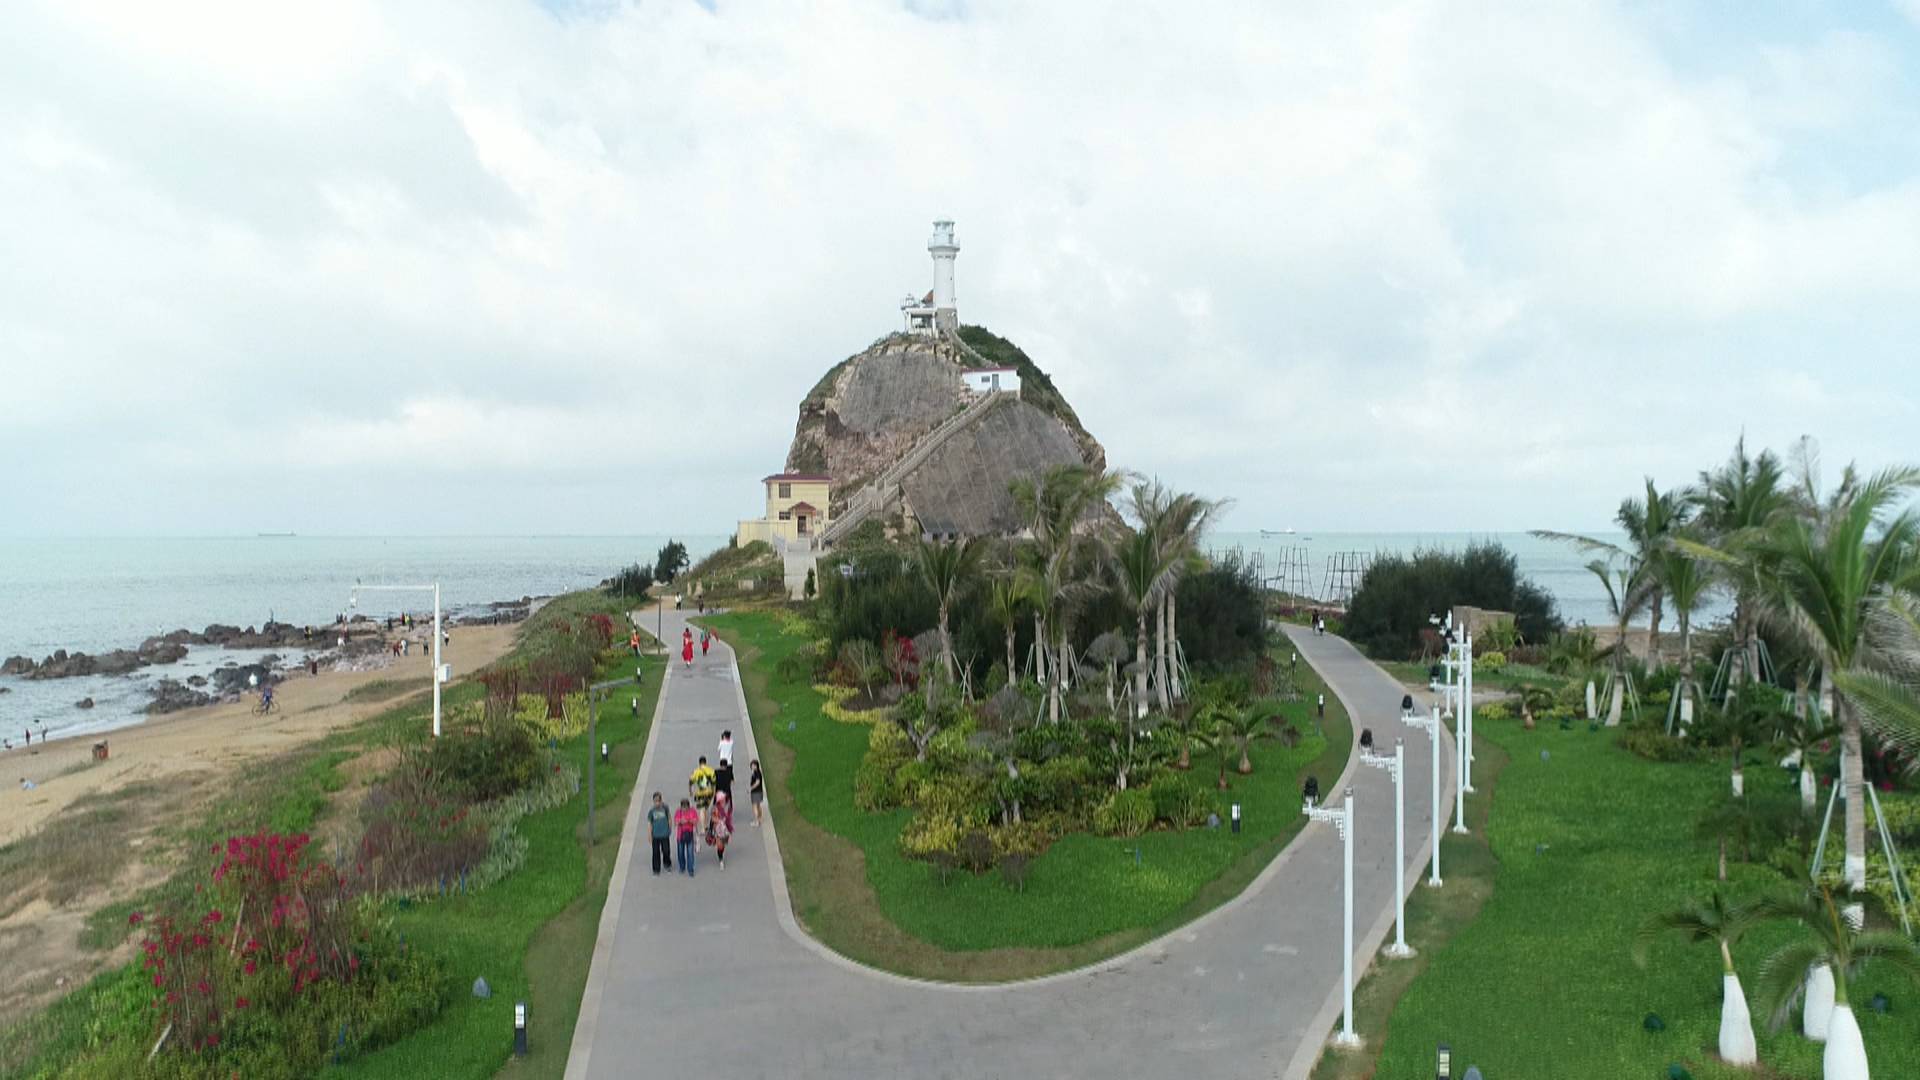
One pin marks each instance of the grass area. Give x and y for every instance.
(387, 689)
(531, 935)
(1086, 898)
(1588, 842)
(1507, 678)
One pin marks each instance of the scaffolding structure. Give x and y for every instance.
(1291, 574)
(1344, 571)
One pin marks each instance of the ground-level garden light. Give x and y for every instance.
(441, 672)
(1443, 1062)
(1341, 820)
(1396, 767)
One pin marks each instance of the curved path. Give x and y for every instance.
(711, 976)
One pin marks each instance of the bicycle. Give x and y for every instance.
(265, 706)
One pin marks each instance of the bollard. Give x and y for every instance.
(603, 753)
(519, 1029)
(1236, 817)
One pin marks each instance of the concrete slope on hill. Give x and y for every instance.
(962, 488)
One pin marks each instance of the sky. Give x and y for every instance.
(491, 267)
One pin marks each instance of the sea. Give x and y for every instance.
(95, 595)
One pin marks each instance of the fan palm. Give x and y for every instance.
(1722, 922)
(947, 567)
(1243, 724)
(1831, 943)
(1889, 697)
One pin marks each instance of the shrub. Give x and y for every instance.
(1124, 813)
(1495, 712)
(1060, 783)
(1652, 743)
(975, 851)
(1013, 870)
(417, 834)
(1028, 837)
(1389, 610)
(484, 763)
(873, 786)
(930, 834)
(1490, 662)
(1180, 800)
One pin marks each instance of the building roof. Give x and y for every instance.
(799, 506)
(991, 370)
(791, 476)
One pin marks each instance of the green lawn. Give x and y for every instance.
(501, 933)
(1087, 897)
(1589, 840)
(1508, 677)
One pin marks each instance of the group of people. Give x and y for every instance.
(706, 812)
(27, 734)
(686, 644)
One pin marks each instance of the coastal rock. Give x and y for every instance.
(117, 662)
(196, 680)
(16, 665)
(171, 696)
(84, 703)
(65, 665)
(162, 652)
(219, 633)
(233, 679)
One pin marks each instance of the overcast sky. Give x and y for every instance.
(501, 267)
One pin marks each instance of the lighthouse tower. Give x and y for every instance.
(944, 251)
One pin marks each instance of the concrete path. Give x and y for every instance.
(711, 976)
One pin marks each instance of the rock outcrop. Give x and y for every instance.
(871, 410)
(170, 696)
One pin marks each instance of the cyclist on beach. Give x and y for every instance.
(266, 698)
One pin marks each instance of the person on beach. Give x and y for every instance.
(726, 747)
(756, 789)
(686, 822)
(660, 821)
(28, 732)
(719, 830)
(701, 785)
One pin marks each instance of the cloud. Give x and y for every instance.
(1370, 267)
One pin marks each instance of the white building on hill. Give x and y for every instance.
(935, 312)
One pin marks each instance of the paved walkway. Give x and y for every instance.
(712, 977)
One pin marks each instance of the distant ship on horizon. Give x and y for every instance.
(276, 534)
(1277, 532)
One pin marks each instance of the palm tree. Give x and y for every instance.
(1181, 528)
(1005, 604)
(1803, 736)
(1748, 720)
(1141, 568)
(1889, 697)
(947, 568)
(1055, 504)
(1721, 922)
(1627, 592)
(1647, 522)
(1827, 572)
(1243, 724)
(1736, 502)
(1687, 581)
(1834, 945)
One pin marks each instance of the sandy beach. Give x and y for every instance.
(212, 738)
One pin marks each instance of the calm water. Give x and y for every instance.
(94, 595)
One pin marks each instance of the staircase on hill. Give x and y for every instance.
(883, 491)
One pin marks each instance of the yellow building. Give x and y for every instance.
(796, 510)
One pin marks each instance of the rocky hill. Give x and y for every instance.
(871, 409)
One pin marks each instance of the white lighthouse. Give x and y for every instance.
(935, 312)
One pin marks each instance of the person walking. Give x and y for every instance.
(756, 789)
(633, 642)
(706, 641)
(723, 792)
(726, 747)
(686, 822)
(721, 830)
(660, 819)
(701, 785)
(686, 647)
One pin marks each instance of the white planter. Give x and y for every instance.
(1736, 1025)
(1846, 1055)
(1809, 789)
(1818, 1009)
(1739, 783)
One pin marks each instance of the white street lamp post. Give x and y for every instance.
(1459, 777)
(1342, 819)
(1432, 724)
(1466, 697)
(1396, 767)
(439, 669)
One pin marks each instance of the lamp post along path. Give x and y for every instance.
(1432, 725)
(1342, 820)
(1396, 767)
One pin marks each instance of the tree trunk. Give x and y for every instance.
(1736, 1024)
(1246, 762)
(1619, 697)
(1723, 858)
(1140, 666)
(1160, 658)
(1013, 666)
(1686, 660)
(946, 643)
(1854, 777)
(1039, 650)
(1653, 630)
(1173, 643)
(1013, 773)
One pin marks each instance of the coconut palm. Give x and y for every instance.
(947, 567)
(1722, 922)
(1141, 568)
(1749, 720)
(1005, 605)
(1687, 580)
(1627, 593)
(1055, 505)
(1735, 503)
(1181, 527)
(1889, 697)
(1827, 572)
(1803, 736)
(1648, 521)
(1833, 945)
